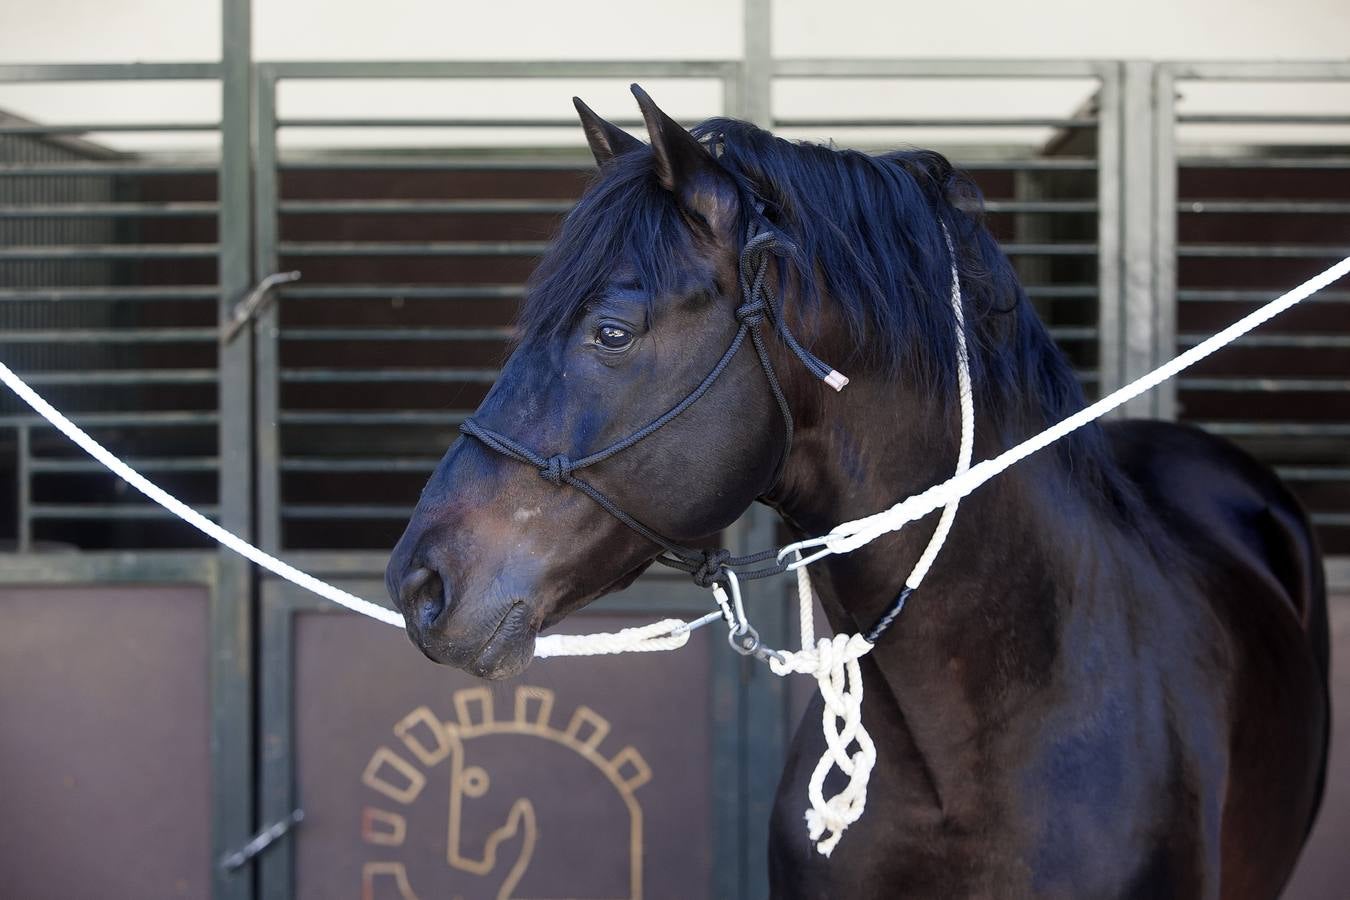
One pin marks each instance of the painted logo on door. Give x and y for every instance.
(507, 797)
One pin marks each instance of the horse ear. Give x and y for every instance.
(686, 168)
(606, 139)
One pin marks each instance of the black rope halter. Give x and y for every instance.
(760, 305)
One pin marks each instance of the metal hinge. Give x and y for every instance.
(245, 310)
(261, 841)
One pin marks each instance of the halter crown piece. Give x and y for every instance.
(833, 662)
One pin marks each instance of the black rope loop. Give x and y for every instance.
(711, 569)
(556, 469)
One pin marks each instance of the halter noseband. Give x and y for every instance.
(707, 567)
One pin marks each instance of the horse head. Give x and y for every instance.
(627, 314)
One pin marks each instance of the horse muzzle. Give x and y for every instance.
(488, 638)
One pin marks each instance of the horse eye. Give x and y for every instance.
(612, 337)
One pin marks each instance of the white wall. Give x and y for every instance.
(170, 30)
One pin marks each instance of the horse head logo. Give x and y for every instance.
(518, 787)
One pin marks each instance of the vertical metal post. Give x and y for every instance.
(1109, 191)
(24, 531)
(757, 72)
(1138, 303)
(265, 331)
(1165, 233)
(231, 602)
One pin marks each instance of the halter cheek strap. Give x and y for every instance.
(760, 305)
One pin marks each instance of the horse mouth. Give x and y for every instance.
(507, 651)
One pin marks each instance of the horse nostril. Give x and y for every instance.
(424, 596)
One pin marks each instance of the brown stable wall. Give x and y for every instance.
(104, 746)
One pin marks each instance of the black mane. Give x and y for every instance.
(868, 233)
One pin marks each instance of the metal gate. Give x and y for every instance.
(317, 425)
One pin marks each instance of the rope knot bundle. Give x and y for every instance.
(709, 571)
(751, 313)
(555, 469)
(834, 664)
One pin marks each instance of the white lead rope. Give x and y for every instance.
(833, 662)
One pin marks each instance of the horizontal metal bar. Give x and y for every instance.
(1330, 519)
(1313, 473)
(108, 127)
(347, 511)
(423, 248)
(111, 336)
(1310, 341)
(109, 210)
(1265, 385)
(114, 377)
(1274, 70)
(144, 464)
(439, 417)
(937, 68)
(934, 122)
(377, 464)
(1261, 119)
(444, 164)
(1298, 207)
(164, 418)
(493, 122)
(1073, 333)
(110, 511)
(361, 376)
(1040, 206)
(1258, 251)
(1264, 162)
(587, 165)
(625, 69)
(104, 169)
(422, 207)
(111, 294)
(109, 251)
(1061, 291)
(1221, 295)
(171, 71)
(1047, 164)
(1278, 429)
(396, 334)
(404, 291)
(1056, 249)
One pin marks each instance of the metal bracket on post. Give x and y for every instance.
(261, 841)
(245, 310)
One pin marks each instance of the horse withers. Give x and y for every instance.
(1112, 682)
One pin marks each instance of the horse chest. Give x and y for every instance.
(1089, 813)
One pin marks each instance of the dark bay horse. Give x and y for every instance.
(1112, 683)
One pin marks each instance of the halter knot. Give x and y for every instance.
(751, 313)
(710, 570)
(555, 469)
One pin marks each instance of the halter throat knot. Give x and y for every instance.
(556, 469)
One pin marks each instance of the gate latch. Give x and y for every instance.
(245, 310)
(261, 841)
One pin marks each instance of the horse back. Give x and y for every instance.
(1239, 531)
(1228, 509)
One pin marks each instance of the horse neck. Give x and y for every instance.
(984, 630)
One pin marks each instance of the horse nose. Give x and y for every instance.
(424, 596)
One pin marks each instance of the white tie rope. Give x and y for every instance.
(850, 536)
(833, 662)
(834, 668)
